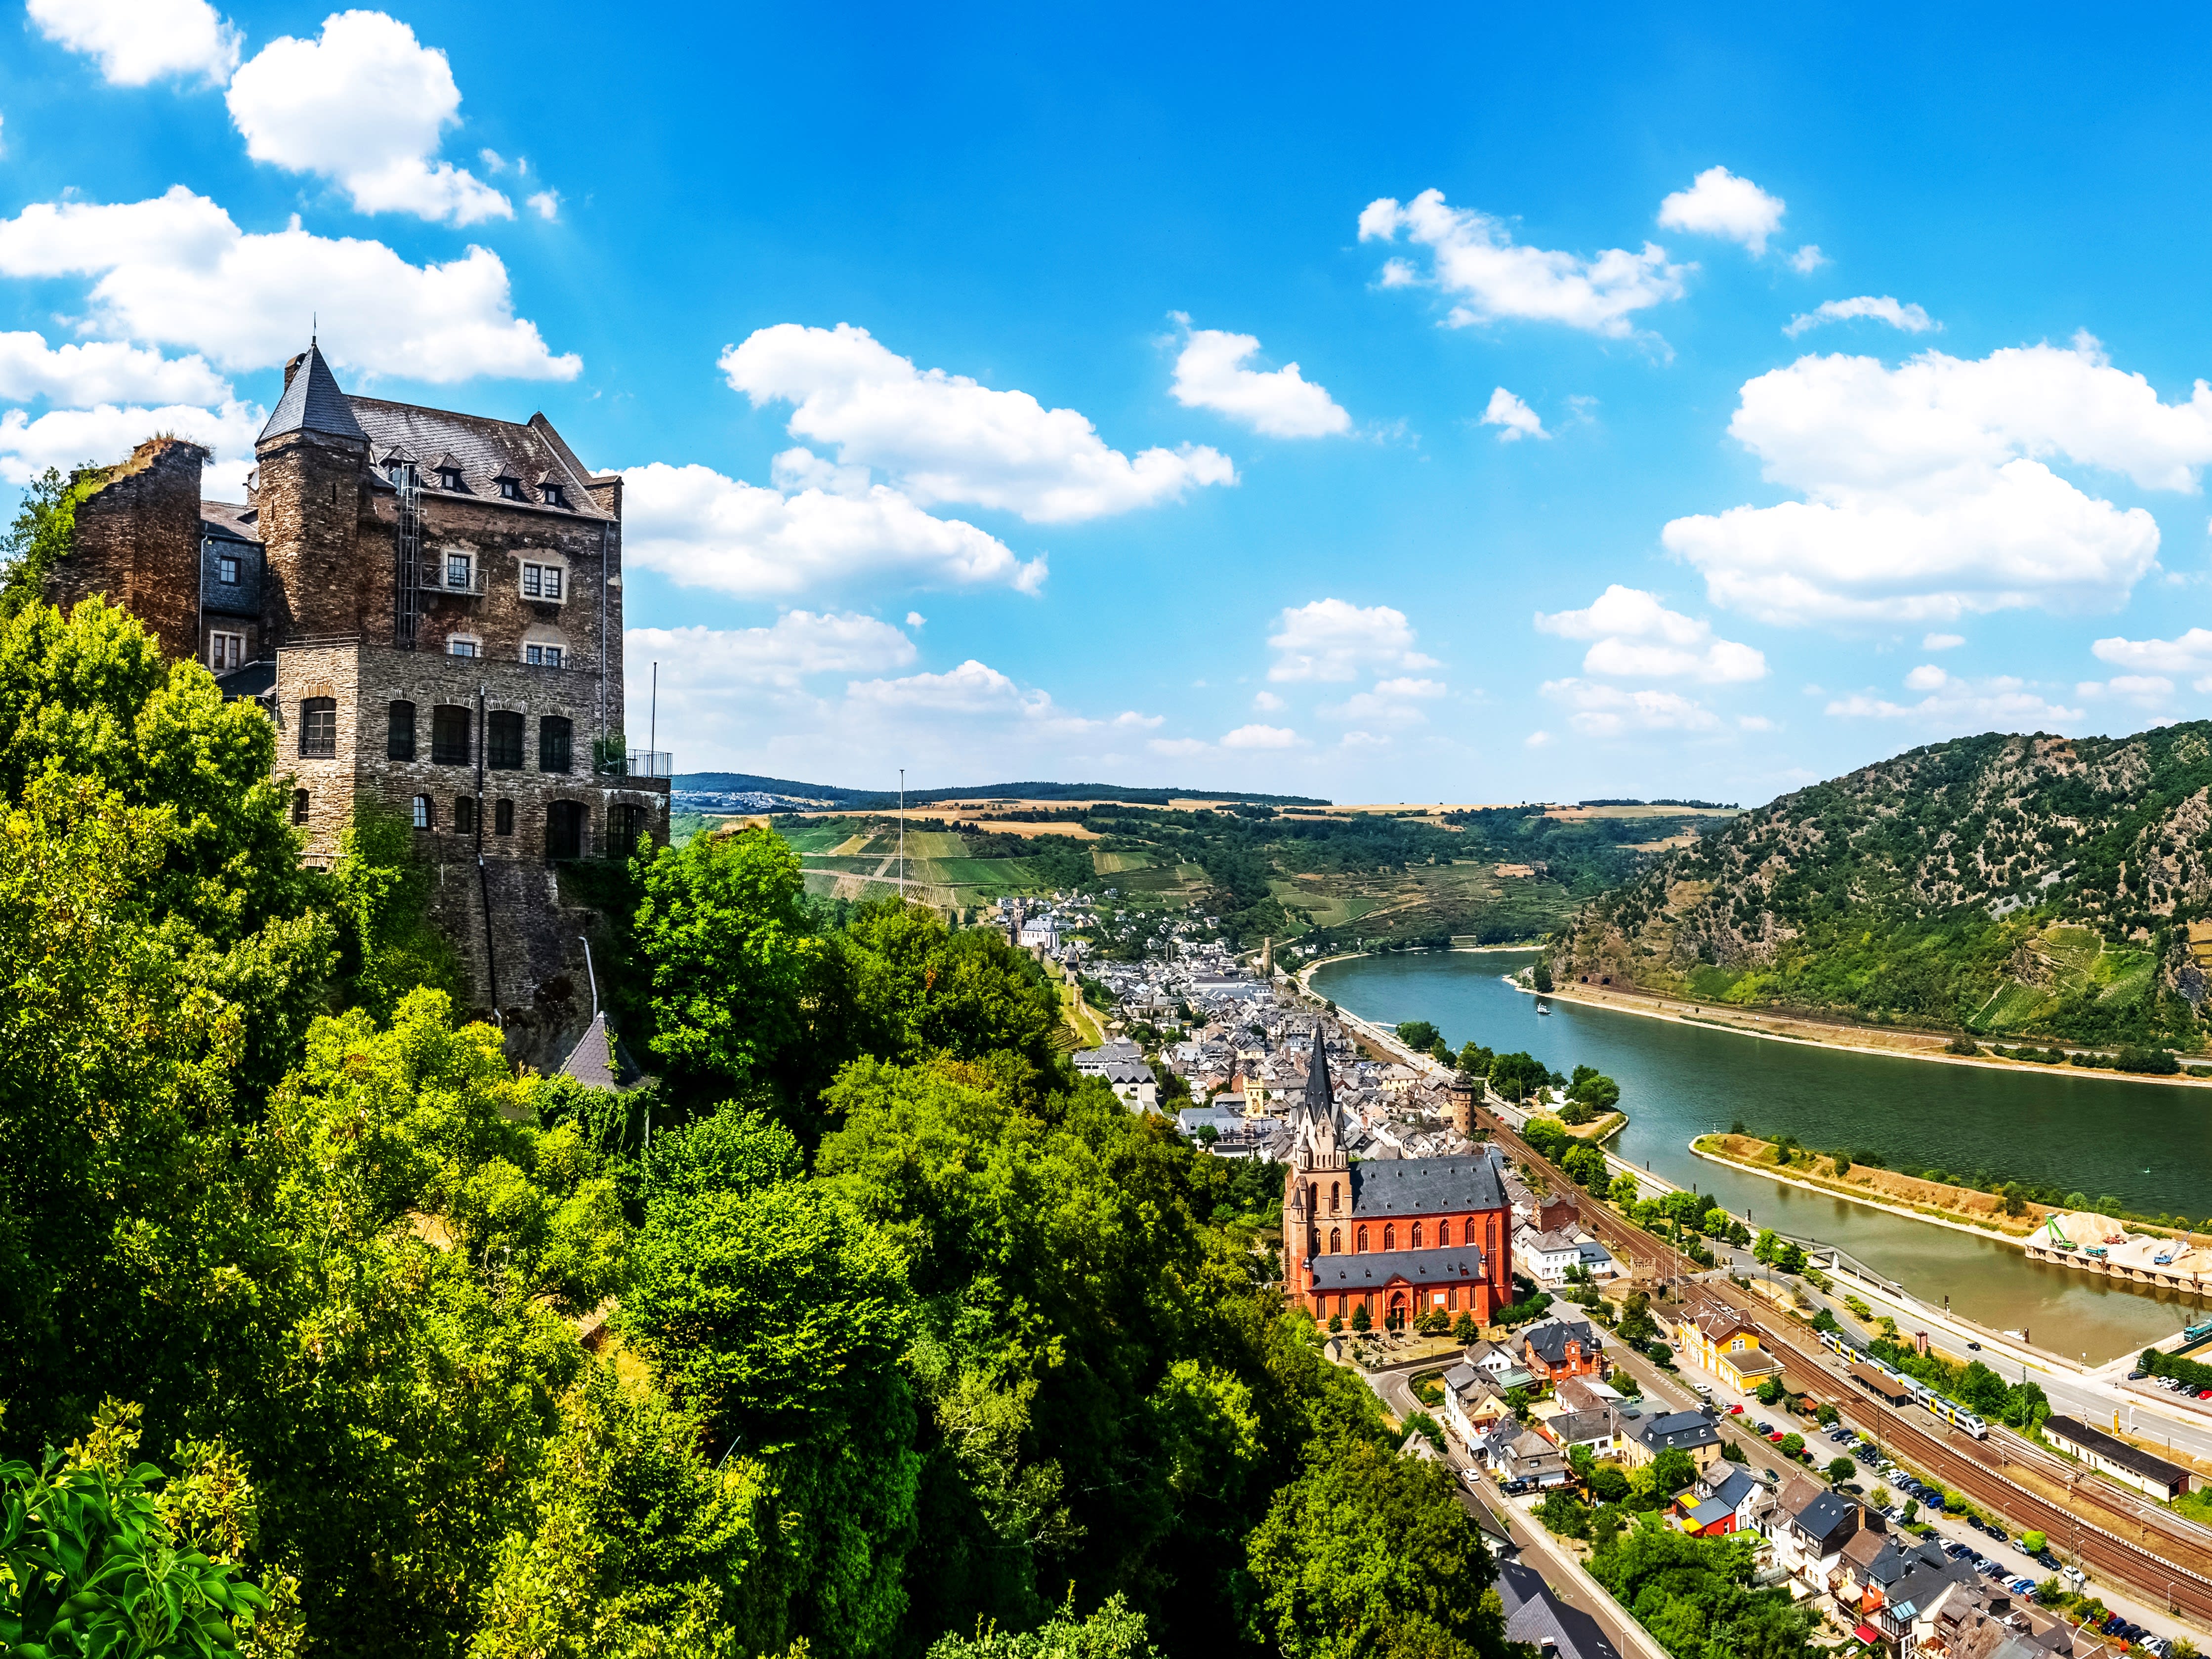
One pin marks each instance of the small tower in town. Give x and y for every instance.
(1319, 1184)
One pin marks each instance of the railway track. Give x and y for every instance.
(2141, 1548)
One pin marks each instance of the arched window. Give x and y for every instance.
(564, 830)
(503, 740)
(399, 734)
(1415, 1242)
(1336, 1241)
(423, 820)
(318, 729)
(451, 734)
(625, 823)
(1359, 1241)
(502, 818)
(1332, 1197)
(1389, 1238)
(554, 732)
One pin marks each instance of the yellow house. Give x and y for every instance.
(1724, 1342)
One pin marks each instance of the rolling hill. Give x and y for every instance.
(2033, 885)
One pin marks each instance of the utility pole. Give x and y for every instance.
(653, 721)
(901, 844)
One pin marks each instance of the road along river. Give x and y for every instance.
(2151, 1148)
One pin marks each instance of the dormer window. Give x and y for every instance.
(449, 477)
(226, 570)
(554, 496)
(510, 490)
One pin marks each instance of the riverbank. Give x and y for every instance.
(1734, 1152)
(1823, 1034)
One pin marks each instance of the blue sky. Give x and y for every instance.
(947, 357)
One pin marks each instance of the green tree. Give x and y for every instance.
(1365, 1553)
(919, 989)
(95, 1565)
(1608, 1483)
(1419, 1035)
(1115, 1631)
(1696, 1596)
(1624, 1191)
(1587, 1165)
(736, 963)
(1672, 1470)
(1792, 1444)
(43, 534)
(1716, 1222)
(1542, 977)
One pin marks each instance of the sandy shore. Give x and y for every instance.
(1820, 1034)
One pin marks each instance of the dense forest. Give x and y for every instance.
(2029, 884)
(866, 1329)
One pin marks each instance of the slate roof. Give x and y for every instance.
(1824, 1518)
(1550, 1341)
(1679, 1432)
(1458, 1265)
(1575, 1428)
(1424, 1186)
(481, 449)
(599, 1063)
(1734, 1487)
(1534, 1615)
(1711, 1510)
(231, 522)
(313, 403)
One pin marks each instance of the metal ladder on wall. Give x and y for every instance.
(410, 483)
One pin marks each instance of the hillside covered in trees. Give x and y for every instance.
(2030, 885)
(1325, 878)
(869, 1329)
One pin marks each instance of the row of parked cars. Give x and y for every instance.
(2171, 1384)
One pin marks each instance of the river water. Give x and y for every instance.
(2146, 1145)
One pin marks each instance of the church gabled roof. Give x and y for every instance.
(313, 403)
(1320, 1101)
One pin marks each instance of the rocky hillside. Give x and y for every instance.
(2029, 886)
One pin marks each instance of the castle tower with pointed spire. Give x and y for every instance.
(428, 605)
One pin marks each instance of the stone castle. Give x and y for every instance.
(428, 605)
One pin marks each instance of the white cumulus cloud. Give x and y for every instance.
(1941, 642)
(2003, 702)
(365, 104)
(1395, 701)
(705, 530)
(66, 437)
(1514, 419)
(2144, 690)
(1608, 711)
(1720, 203)
(1928, 497)
(1911, 319)
(1634, 637)
(2187, 654)
(137, 42)
(1474, 260)
(1210, 373)
(102, 372)
(797, 644)
(1261, 737)
(176, 269)
(947, 438)
(1335, 639)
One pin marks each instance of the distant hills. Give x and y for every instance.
(2031, 885)
(734, 783)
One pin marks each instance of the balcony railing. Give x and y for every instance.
(433, 579)
(651, 763)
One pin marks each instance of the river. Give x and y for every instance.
(1681, 1080)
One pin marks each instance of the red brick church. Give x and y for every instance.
(1395, 1236)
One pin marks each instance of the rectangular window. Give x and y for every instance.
(399, 734)
(510, 490)
(541, 582)
(554, 496)
(464, 815)
(298, 807)
(502, 818)
(460, 648)
(226, 571)
(457, 570)
(319, 729)
(449, 477)
(553, 734)
(541, 656)
(226, 651)
(451, 731)
(503, 740)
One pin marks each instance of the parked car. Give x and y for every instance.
(1763, 1428)
(2137, 1375)
(1735, 1411)
(2047, 1559)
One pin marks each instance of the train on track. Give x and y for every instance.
(1936, 1405)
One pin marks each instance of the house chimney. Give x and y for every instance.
(292, 368)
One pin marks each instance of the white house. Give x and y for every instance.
(1545, 1257)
